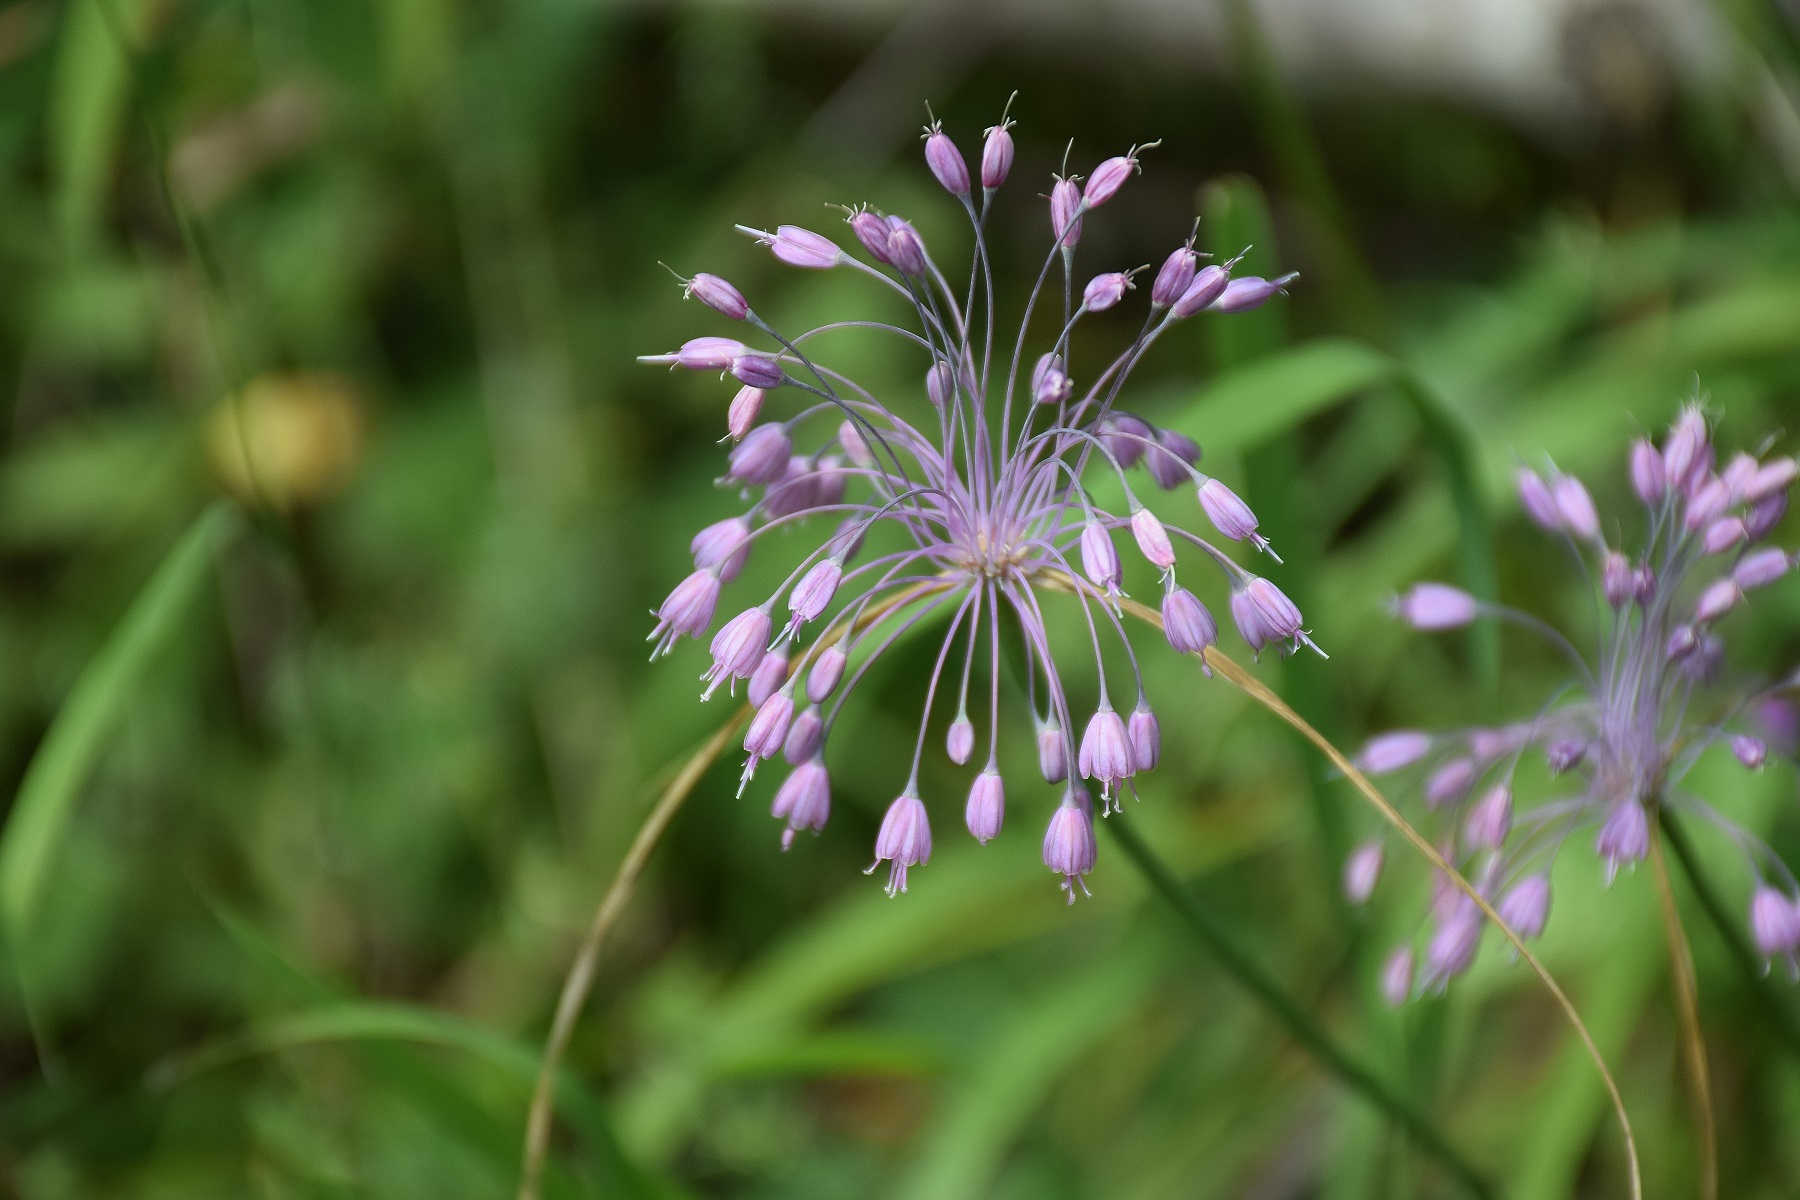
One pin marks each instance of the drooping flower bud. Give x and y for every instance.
(1228, 513)
(1707, 504)
(1069, 845)
(1724, 534)
(769, 675)
(827, 669)
(996, 155)
(1682, 642)
(905, 249)
(1053, 755)
(1049, 385)
(851, 439)
(1362, 871)
(1490, 819)
(986, 809)
(1760, 568)
(1105, 750)
(1152, 539)
(1208, 285)
(1765, 515)
(738, 648)
(1174, 276)
(1065, 213)
(1396, 977)
(1776, 475)
(746, 406)
(757, 371)
(1526, 906)
(768, 731)
(940, 384)
(1617, 580)
(1145, 735)
(1565, 754)
(1108, 178)
(1252, 292)
(1099, 561)
(1435, 606)
(812, 595)
(803, 800)
(1187, 624)
(871, 230)
(1736, 474)
(946, 161)
(723, 544)
(1686, 451)
(1168, 461)
(1393, 751)
(1450, 782)
(1647, 473)
(1104, 291)
(718, 295)
(687, 610)
(1575, 507)
(1749, 751)
(799, 247)
(959, 743)
(804, 736)
(762, 457)
(1453, 944)
(1535, 498)
(1624, 837)
(796, 490)
(1774, 922)
(1717, 600)
(904, 841)
(1126, 436)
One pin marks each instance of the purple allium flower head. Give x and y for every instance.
(1774, 922)
(1251, 292)
(1621, 735)
(688, 610)
(986, 809)
(904, 840)
(1396, 977)
(1069, 844)
(1208, 285)
(1187, 624)
(946, 161)
(970, 502)
(1171, 460)
(717, 294)
(1386, 753)
(803, 800)
(1362, 870)
(1433, 606)
(769, 675)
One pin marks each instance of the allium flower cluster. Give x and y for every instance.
(1635, 715)
(981, 489)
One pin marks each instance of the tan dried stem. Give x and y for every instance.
(1687, 1010)
(1247, 683)
(580, 980)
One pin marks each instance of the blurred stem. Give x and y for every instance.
(1687, 1010)
(1781, 1015)
(1213, 933)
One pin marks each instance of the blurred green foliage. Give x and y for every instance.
(313, 792)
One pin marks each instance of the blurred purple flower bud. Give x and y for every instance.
(940, 384)
(1168, 461)
(687, 610)
(1279, 616)
(1575, 507)
(996, 155)
(1187, 624)
(1681, 643)
(1686, 450)
(1565, 754)
(1108, 178)
(1704, 664)
(1724, 534)
(812, 595)
(1435, 606)
(1778, 719)
(1126, 437)
(1145, 736)
(1228, 513)
(1776, 475)
(805, 736)
(700, 354)
(851, 439)
(795, 491)
(1765, 515)
(1252, 292)
(1152, 539)
(1209, 284)
(1065, 213)
(986, 809)
(1617, 580)
(757, 371)
(799, 247)
(959, 742)
(1362, 870)
(803, 800)
(1174, 276)
(827, 669)
(1053, 758)
(1526, 906)
(1647, 473)
(1760, 568)
(723, 544)
(946, 162)
(905, 250)
(1392, 751)
(1490, 819)
(1396, 977)
(717, 295)
(762, 457)
(768, 729)
(768, 677)
(1750, 751)
(1450, 782)
(1707, 504)
(738, 648)
(847, 540)
(1105, 750)
(829, 481)
(746, 406)
(1717, 600)
(1453, 945)
(1048, 383)
(1738, 472)
(1249, 621)
(1069, 845)
(872, 231)
(1099, 561)
(1774, 922)
(1104, 291)
(1535, 498)
(904, 841)
(1624, 837)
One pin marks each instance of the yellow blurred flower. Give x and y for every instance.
(288, 439)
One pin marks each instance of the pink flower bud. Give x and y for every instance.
(762, 457)
(805, 736)
(812, 595)
(946, 162)
(1048, 383)
(796, 490)
(803, 800)
(940, 384)
(1173, 278)
(1717, 600)
(1105, 750)
(1099, 560)
(1125, 437)
(1761, 568)
(1208, 285)
(799, 247)
(1686, 452)
(1252, 292)
(996, 155)
(1453, 945)
(1229, 514)
(1278, 613)
(757, 371)
(687, 610)
(1617, 580)
(1624, 837)
(1396, 977)
(737, 649)
(851, 439)
(1682, 642)
(1145, 736)
(768, 729)
(1526, 906)
(827, 669)
(1393, 751)
(872, 231)
(986, 809)
(1490, 820)
(1108, 178)
(1069, 845)
(768, 677)
(959, 743)
(904, 841)
(1765, 515)
(1565, 754)
(717, 295)
(1450, 782)
(904, 248)
(1749, 751)
(1774, 922)
(1707, 504)
(1104, 291)
(1647, 473)
(723, 544)
(1152, 539)
(1065, 213)
(1724, 534)
(1362, 871)
(1774, 476)
(1575, 507)
(1186, 623)
(1053, 756)
(746, 406)
(1435, 606)
(1534, 497)
(702, 354)
(1168, 461)
(1738, 472)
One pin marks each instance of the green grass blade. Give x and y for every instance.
(78, 735)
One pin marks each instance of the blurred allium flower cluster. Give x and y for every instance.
(1634, 716)
(981, 483)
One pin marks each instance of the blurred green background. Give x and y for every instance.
(319, 764)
